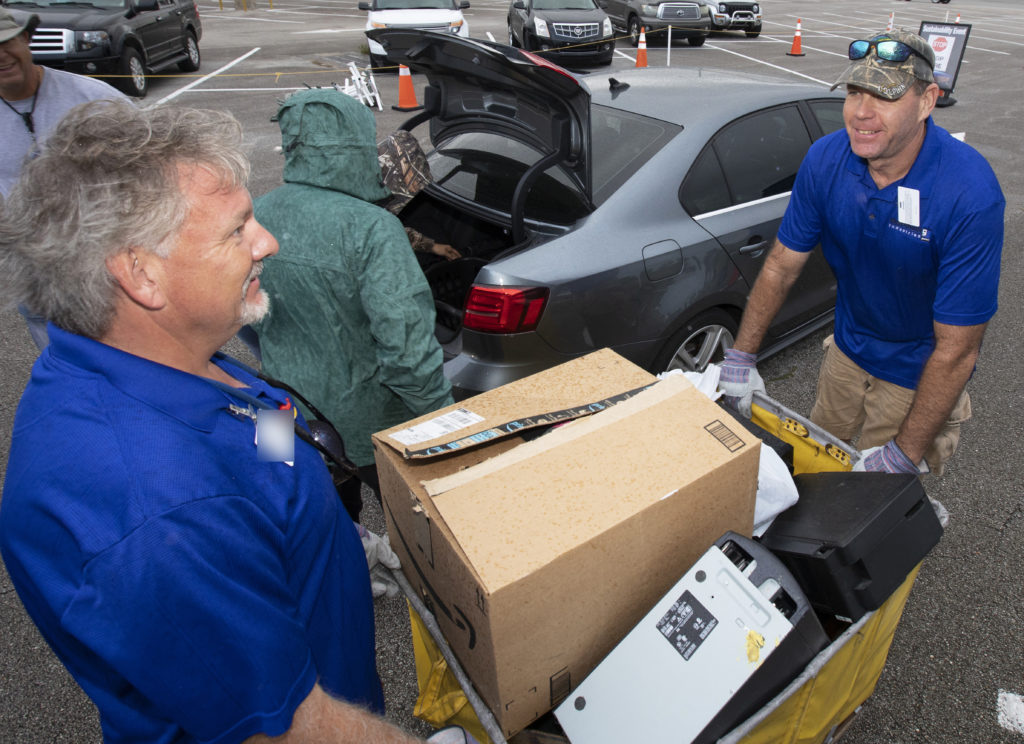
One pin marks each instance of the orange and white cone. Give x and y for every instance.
(796, 50)
(958, 18)
(641, 50)
(406, 91)
(892, 19)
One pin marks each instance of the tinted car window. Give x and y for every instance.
(704, 189)
(760, 154)
(752, 158)
(485, 167)
(829, 114)
(620, 143)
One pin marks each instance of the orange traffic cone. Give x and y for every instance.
(641, 50)
(406, 91)
(892, 18)
(795, 50)
(958, 18)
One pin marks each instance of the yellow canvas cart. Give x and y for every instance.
(814, 708)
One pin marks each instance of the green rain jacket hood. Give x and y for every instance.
(351, 321)
(328, 140)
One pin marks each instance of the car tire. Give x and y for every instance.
(697, 41)
(133, 72)
(700, 341)
(633, 29)
(754, 33)
(192, 51)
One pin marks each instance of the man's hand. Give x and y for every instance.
(443, 249)
(886, 458)
(739, 379)
(380, 558)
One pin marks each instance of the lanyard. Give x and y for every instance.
(334, 457)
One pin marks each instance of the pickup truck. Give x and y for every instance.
(688, 20)
(124, 38)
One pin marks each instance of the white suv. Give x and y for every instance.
(427, 15)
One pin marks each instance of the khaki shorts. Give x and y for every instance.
(860, 408)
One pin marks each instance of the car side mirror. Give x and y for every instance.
(364, 6)
(138, 6)
(463, 4)
(519, 5)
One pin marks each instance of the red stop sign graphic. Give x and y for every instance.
(939, 43)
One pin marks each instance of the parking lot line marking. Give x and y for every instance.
(329, 31)
(769, 64)
(1011, 711)
(249, 18)
(204, 78)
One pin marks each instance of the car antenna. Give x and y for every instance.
(616, 87)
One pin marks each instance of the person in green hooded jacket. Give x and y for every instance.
(352, 319)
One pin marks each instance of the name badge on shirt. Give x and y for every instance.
(275, 436)
(908, 202)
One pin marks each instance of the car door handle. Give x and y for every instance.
(754, 249)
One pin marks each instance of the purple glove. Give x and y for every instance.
(739, 379)
(886, 458)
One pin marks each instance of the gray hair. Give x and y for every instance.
(106, 182)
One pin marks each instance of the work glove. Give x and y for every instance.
(452, 735)
(738, 379)
(886, 458)
(380, 559)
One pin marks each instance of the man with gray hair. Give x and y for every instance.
(196, 586)
(911, 222)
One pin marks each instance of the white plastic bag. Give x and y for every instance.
(776, 490)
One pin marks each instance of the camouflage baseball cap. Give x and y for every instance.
(887, 79)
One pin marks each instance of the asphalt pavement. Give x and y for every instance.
(955, 674)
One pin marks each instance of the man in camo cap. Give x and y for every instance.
(911, 222)
(888, 79)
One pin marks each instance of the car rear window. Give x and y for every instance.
(485, 167)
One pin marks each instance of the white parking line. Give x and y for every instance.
(769, 64)
(204, 78)
(248, 18)
(330, 31)
(1011, 711)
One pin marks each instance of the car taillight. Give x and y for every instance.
(504, 309)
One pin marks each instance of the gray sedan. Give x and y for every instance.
(630, 210)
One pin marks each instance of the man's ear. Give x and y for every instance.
(138, 273)
(928, 100)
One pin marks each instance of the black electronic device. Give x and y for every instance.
(853, 537)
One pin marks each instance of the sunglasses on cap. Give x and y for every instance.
(888, 49)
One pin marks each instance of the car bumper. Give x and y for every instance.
(378, 51)
(100, 65)
(679, 28)
(738, 20)
(576, 51)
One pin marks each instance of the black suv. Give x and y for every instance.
(127, 38)
(688, 20)
(566, 31)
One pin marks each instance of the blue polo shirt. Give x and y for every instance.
(895, 279)
(195, 592)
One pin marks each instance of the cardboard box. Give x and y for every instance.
(537, 554)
